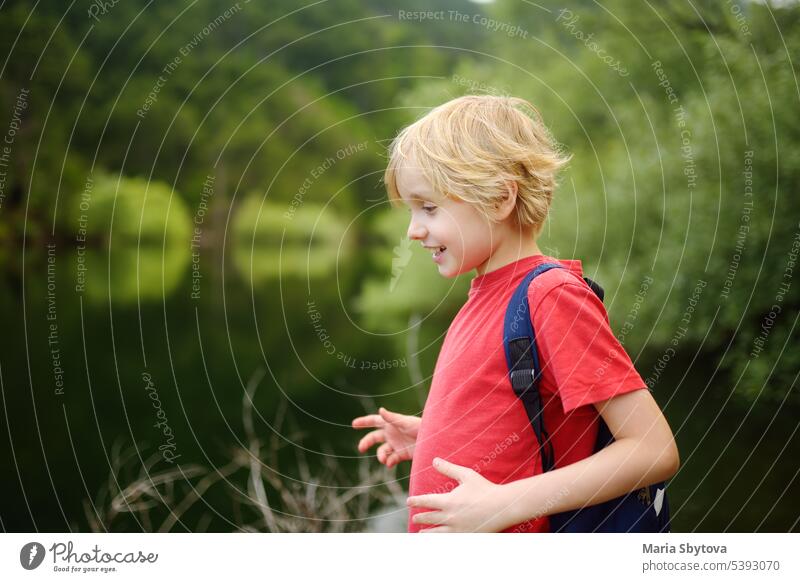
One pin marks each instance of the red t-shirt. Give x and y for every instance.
(473, 418)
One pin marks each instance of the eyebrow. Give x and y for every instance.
(418, 196)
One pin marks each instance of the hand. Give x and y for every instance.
(475, 505)
(397, 432)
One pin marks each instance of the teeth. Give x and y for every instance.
(436, 250)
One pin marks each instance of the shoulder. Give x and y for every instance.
(562, 280)
(560, 295)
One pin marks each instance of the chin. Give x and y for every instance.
(449, 272)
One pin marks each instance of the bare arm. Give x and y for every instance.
(644, 452)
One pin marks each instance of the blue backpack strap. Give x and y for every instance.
(645, 510)
(522, 358)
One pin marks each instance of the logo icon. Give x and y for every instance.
(659, 501)
(31, 555)
(402, 256)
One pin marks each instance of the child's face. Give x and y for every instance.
(467, 235)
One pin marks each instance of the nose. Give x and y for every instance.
(416, 231)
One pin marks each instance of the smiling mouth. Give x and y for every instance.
(437, 251)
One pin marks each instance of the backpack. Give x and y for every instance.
(642, 511)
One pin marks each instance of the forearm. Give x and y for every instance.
(622, 467)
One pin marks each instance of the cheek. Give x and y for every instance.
(475, 242)
(476, 232)
(459, 227)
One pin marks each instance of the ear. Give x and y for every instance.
(508, 202)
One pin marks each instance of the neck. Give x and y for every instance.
(513, 246)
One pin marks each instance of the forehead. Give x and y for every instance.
(412, 183)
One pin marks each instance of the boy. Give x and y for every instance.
(477, 175)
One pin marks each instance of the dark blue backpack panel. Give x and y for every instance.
(642, 511)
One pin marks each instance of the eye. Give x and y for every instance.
(429, 209)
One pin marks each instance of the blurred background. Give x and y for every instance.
(203, 282)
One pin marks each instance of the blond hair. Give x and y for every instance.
(468, 148)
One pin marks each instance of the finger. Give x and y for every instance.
(431, 501)
(389, 416)
(400, 420)
(383, 452)
(439, 529)
(369, 421)
(393, 459)
(457, 472)
(374, 437)
(430, 518)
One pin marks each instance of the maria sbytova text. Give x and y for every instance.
(683, 549)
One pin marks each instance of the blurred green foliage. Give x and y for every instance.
(656, 188)
(150, 106)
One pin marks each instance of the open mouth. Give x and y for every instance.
(437, 251)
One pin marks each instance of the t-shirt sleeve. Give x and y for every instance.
(577, 348)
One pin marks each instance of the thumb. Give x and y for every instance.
(457, 472)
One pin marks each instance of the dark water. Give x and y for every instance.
(196, 355)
